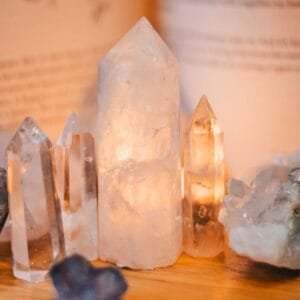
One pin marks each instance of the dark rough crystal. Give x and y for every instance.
(76, 279)
(3, 198)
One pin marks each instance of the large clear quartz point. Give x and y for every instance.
(203, 183)
(75, 170)
(37, 238)
(139, 180)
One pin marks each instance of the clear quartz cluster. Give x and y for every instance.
(75, 170)
(203, 183)
(139, 189)
(263, 219)
(36, 232)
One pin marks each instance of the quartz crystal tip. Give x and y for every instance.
(73, 126)
(204, 118)
(30, 132)
(204, 109)
(3, 198)
(75, 278)
(140, 46)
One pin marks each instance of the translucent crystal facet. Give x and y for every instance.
(139, 183)
(37, 238)
(75, 170)
(203, 183)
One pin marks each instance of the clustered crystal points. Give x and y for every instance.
(129, 210)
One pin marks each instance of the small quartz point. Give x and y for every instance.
(203, 183)
(3, 198)
(140, 224)
(76, 279)
(36, 229)
(75, 171)
(263, 219)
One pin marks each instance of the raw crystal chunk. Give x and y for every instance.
(263, 220)
(3, 198)
(76, 279)
(139, 211)
(75, 171)
(203, 183)
(37, 238)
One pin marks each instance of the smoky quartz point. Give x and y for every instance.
(203, 235)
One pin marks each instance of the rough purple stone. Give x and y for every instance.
(76, 279)
(3, 198)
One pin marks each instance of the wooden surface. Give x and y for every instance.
(225, 277)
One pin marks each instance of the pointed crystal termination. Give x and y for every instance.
(37, 237)
(140, 224)
(75, 171)
(203, 184)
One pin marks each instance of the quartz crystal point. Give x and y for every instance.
(37, 238)
(139, 180)
(3, 198)
(75, 171)
(203, 183)
(76, 279)
(263, 219)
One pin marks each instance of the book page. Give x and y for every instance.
(245, 56)
(49, 56)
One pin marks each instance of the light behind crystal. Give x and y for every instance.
(203, 183)
(139, 189)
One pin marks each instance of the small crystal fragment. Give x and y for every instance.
(203, 183)
(76, 279)
(237, 188)
(75, 171)
(264, 222)
(36, 231)
(140, 224)
(294, 175)
(3, 198)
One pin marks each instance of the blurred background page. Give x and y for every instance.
(49, 55)
(243, 54)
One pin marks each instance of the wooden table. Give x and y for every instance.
(225, 277)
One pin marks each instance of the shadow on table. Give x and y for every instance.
(257, 271)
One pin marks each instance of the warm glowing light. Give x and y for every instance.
(140, 223)
(203, 183)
